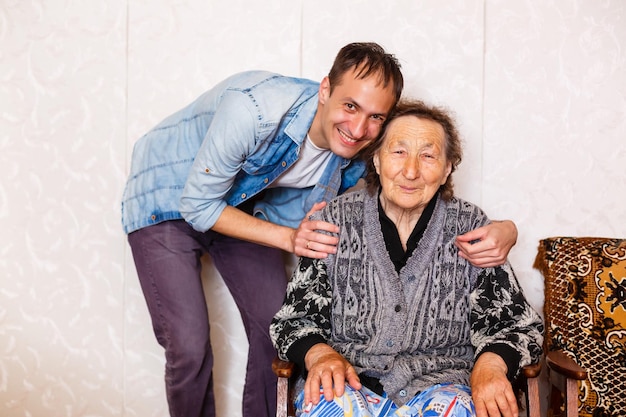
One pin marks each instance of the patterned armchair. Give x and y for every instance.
(585, 313)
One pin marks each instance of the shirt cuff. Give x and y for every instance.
(298, 350)
(510, 356)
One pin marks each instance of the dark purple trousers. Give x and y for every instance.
(167, 257)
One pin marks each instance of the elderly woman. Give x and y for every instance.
(396, 322)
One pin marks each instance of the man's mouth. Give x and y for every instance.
(347, 138)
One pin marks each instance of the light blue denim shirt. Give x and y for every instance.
(226, 147)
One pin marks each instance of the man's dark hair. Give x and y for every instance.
(367, 58)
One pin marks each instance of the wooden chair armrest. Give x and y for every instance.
(532, 370)
(282, 369)
(284, 402)
(530, 374)
(559, 362)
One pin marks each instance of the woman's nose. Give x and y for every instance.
(411, 168)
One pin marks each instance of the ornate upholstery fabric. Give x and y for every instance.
(585, 311)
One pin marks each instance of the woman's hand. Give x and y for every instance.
(308, 241)
(328, 369)
(489, 245)
(491, 391)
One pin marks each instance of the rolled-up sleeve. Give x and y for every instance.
(230, 138)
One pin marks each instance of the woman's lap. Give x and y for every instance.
(438, 400)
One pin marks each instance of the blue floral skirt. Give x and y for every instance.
(445, 400)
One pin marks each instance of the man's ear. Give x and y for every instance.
(324, 91)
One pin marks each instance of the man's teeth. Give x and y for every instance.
(348, 139)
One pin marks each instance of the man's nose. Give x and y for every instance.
(359, 127)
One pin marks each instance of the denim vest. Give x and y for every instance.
(226, 147)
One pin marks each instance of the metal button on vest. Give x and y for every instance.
(243, 196)
(284, 164)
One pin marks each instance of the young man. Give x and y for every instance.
(236, 174)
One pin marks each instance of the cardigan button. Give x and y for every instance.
(402, 393)
(398, 308)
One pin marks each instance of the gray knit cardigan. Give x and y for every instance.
(415, 329)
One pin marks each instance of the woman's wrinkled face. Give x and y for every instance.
(411, 164)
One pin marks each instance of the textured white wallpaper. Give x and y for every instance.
(554, 143)
(538, 87)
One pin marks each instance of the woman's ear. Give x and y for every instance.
(448, 171)
(376, 161)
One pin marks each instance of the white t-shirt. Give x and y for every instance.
(308, 168)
